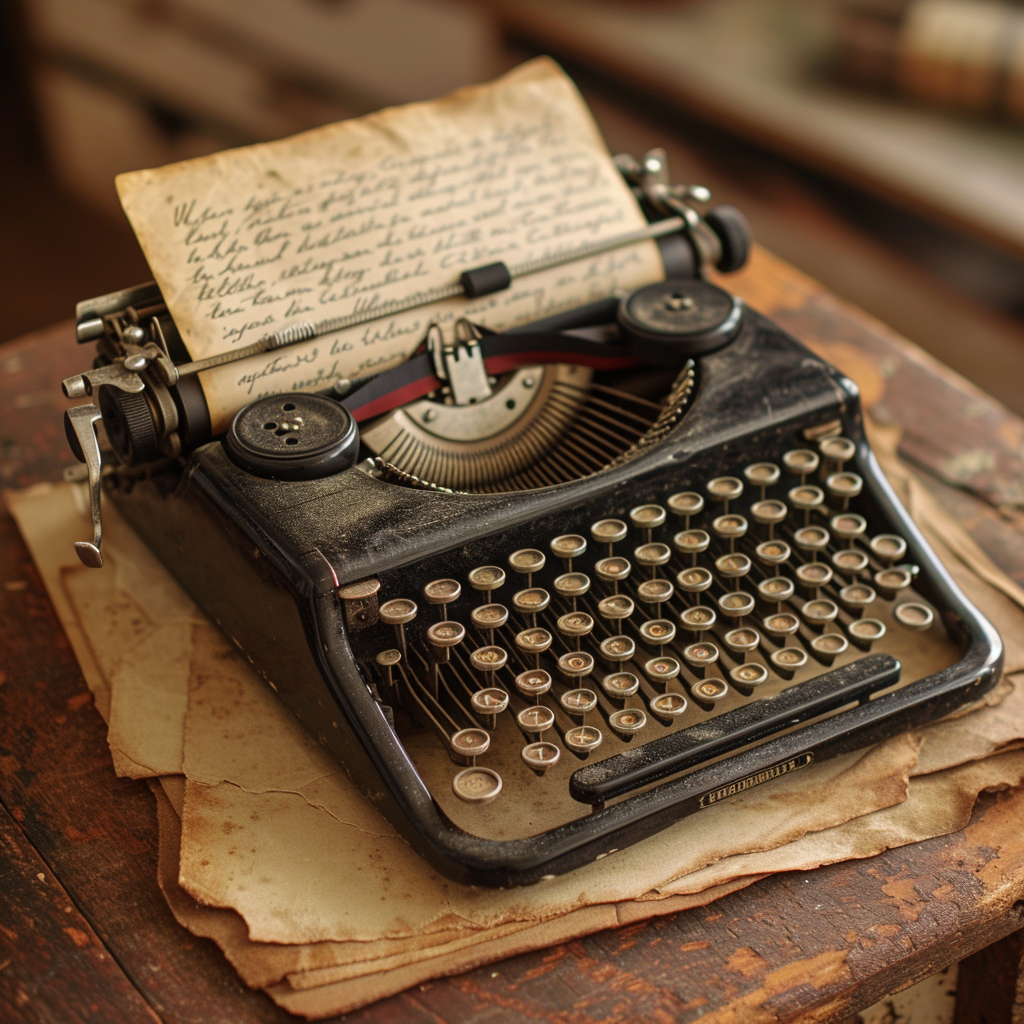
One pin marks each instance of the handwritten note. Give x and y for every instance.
(350, 216)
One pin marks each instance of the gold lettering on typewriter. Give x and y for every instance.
(348, 217)
(766, 775)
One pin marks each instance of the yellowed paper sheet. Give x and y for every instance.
(350, 216)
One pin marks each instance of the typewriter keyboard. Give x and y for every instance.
(508, 678)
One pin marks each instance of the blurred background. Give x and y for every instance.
(876, 144)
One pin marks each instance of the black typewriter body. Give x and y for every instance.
(298, 574)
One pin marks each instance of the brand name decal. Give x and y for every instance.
(766, 775)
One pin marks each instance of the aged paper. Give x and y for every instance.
(350, 216)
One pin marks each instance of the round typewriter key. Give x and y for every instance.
(627, 722)
(818, 614)
(733, 567)
(575, 624)
(691, 542)
(773, 552)
(446, 634)
(725, 489)
(746, 678)
(489, 660)
(812, 539)
(668, 706)
(769, 513)
(387, 661)
(837, 449)
(865, 632)
(788, 661)
(647, 518)
(531, 602)
(617, 649)
(533, 683)
(807, 499)
(652, 555)
(856, 597)
(609, 531)
(828, 647)
(289, 437)
(661, 670)
(486, 578)
(536, 719)
(657, 632)
(888, 547)
(655, 591)
(914, 615)
(686, 504)
(694, 581)
(534, 641)
(698, 619)
(491, 701)
(476, 785)
(763, 475)
(527, 561)
(707, 692)
(775, 590)
(442, 592)
(468, 744)
(489, 617)
(736, 605)
(730, 527)
(572, 585)
(540, 756)
(620, 685)
(579, 702)
(583, 739)
(612, 570)
(398, 613)
(699, 656)
(742, 641)
(569, 546)
(848, 525)
(780, 625)
(844, 486)
(812, 576)
(891, 581)
(576, 664)
(616, 607)
(850, 562)
(801, 462)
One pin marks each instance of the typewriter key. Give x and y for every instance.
(686, 504)
(489, 660)
(489, 617)
(692, 543)
(662, 670)
(575, 625)
(647, 518)
(827, 647)
(742, 642)
(891, 581)
(617, 649)
(536, 719)
(733, 567)
(856, 597)
(531, 602)
(818, 614)
(807, 499)
(572, 585)
(613, 570)
(442, 637)
(657, 632)
(698, 619)
(568, 547)
(700, 656)
(398, 613)
(469, 744)
(914, 615)
(746, 678)
(527, 561)
(812, 539)
(775, 590)
(848, 525)
(476, 785)
(387, 661)
(655, 592)
(780, 625)
(888, 548)
(576, 664)
(533, 683)
(843, 487)
(486, 578)
(609, 531)
(865, 632)
(852, 563)
(620, 685)
(801, 462)
(736, 605)
(769, 513)
(708, 692)
(668, 706)
(616, 607)
(652, 555)
(773, 552)
(540, 756)
(838, 450)
(762, 475)
(442, 593)
(725, 489)
(812, 576)
(694, 581)
(534, 641)
(627, 722)
(490, 703)
(578, 702)
(731, 528)
(788, 661)
(583, 739)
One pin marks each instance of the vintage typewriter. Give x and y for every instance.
(544, 592)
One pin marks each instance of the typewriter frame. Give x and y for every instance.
(225, 534)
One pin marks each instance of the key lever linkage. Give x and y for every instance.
(82, 420)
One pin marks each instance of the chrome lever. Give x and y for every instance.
(82, 419)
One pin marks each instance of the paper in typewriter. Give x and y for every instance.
(346, 217)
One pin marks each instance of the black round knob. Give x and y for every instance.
(672, 321)
(129, 423)
(293, 437)
(734, 233)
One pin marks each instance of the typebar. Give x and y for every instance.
(625, 772)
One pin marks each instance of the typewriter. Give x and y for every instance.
(546, 591)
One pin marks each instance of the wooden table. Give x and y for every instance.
(85, 934)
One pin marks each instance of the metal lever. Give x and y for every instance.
(82, 419)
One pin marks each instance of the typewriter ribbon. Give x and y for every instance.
(545, 590)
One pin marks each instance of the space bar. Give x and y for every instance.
(758, 720)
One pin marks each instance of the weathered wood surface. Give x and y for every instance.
(802, 947)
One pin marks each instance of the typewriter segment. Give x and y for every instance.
(581, 670)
